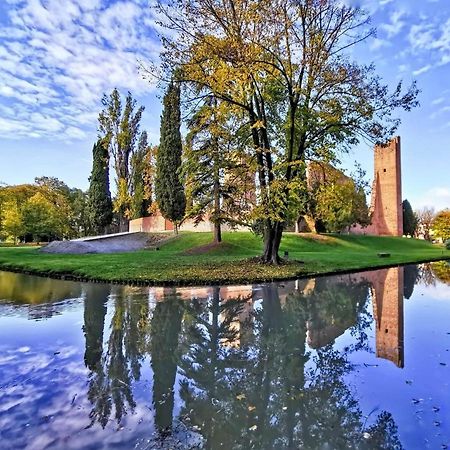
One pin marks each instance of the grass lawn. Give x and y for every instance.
(179, 261)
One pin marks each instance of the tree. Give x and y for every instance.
(142, 162)
(42, 219)
(12, 221)
(409, 219)
(336, 201)
(100, 204)
(216, 173)
(168, 188)
(80, 221)
(425, 218)
(120, 128)
(441, 225)
(290, 77)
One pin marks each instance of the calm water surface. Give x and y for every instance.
(351, 361)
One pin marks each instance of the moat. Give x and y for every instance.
(349, 361)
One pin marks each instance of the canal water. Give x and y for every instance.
(359, 361)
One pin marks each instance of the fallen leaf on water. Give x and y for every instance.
(436, 409)
(408, 381)
(253, 428)
(437, 423)
(443, 364)
(251, 408)
(240, 396)
(417, 400)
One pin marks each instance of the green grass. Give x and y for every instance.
(231, 263)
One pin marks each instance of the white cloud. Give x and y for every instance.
(395, 25)
(58, 58)
(422, 70)
(437, 197)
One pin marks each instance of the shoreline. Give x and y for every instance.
(65, 276)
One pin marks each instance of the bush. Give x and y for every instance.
(447, 244)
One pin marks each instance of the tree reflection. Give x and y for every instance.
(270, 392)
(113, 371)
(441, 271)
(165, 330)
(254, 372)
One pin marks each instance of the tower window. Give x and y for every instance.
(384, 170)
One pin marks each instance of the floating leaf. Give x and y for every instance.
(253, 428)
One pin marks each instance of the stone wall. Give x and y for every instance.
(157, 224)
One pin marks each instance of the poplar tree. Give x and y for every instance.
(119, 127)
(100, 204)
(168, 187)
(141, 178)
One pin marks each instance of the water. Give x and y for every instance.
(351, 361)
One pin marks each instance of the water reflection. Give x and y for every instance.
(268, 366)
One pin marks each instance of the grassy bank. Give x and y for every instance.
(185, 261)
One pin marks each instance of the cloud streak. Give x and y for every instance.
(58, 58)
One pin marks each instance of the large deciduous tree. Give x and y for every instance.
(425, 218)
(441, 225)
(284, 67)
(100, 204)
(119, 127)
(168, 187)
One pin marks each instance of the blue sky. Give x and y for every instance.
(58, 57)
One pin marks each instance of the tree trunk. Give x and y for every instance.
(272, 240)
(123, 224)
(217, 228)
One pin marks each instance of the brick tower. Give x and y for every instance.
(386, 207)
(387, 299)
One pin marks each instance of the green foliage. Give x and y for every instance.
(44, 220)
(447, 244)
(219, 184)
(12, 221)
(99, 195)
(339, 201)
(26, 218)
(168, 187)
(441, 225)
(410, 220)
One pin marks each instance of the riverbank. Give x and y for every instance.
(191, 260)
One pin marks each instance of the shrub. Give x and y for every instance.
(447, 244)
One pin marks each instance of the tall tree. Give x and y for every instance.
(142, 162)
(168, 187)
(119, 127)
(409, 219)
(216, 173)
(293, 81)
(100, 204)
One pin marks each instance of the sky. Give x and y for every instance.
(58, 58)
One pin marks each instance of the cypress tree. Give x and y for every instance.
(409, 219)
(168, 187)
(100, 204)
